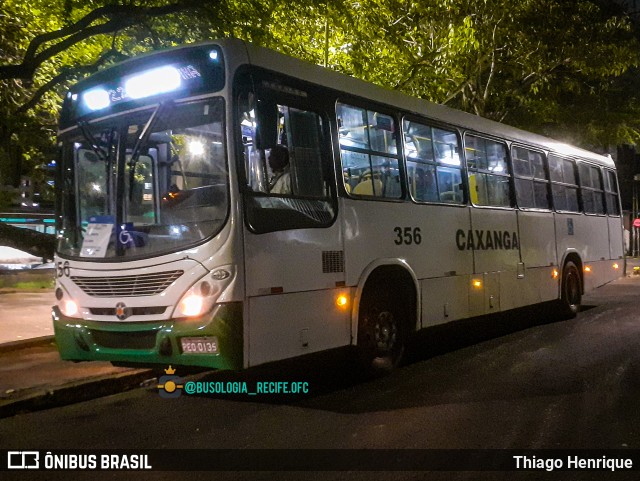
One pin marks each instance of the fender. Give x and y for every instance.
(364, 276)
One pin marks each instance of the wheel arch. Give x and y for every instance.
(377, 272)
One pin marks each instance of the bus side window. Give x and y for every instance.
(564, 184)
(488, 171)
(433, 163)
(289, 181)
(255, 164)
(531, 179)
(591, 188)
(299, 169)
(370, 163)
(611, 188)
(303, 131)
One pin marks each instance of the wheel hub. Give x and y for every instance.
(572, 289)
(385, 331)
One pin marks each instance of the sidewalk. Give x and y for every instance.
(26, 315)
(32, 375)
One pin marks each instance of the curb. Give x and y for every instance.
(84, 390)
(26, 343)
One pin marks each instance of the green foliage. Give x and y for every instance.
(561, 67)
(30, 134)
(515, 61)
(547, 65)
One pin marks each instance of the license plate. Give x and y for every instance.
(199, 345)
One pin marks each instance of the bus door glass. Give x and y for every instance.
(287, 165)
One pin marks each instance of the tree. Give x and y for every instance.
(523, 62)
(546, 65)
(46, 45)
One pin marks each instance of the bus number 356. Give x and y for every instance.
(407, 235)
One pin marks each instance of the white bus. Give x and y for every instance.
(223, 205)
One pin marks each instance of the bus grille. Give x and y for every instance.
(135, 311)
(127, 286)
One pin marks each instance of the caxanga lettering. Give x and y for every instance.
(486, 240)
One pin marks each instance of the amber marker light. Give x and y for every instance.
(342, 301)
(587, 268)
(555, 273)
(616, 266)
(477, 283)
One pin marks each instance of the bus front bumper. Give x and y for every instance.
(154, 343)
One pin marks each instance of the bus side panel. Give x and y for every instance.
(496, 258)
(518, 291)
(497, 246)
(548, 283)
(596, 236)
(444, 299)
(537, 239)
(616, 250)
(289, 325)
(538, 254)
(292, 260)
(384, 230)
(291, 279)
(589, 237)
(568, 236)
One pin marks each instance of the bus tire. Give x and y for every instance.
(571, 294)
(382, 332)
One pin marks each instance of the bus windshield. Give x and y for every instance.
(144, 183)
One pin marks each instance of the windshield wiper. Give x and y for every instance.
(142, 140)
(88, 137)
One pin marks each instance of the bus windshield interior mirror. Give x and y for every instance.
(267, 120)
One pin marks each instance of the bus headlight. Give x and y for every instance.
(197, 301)
(200, 299)
(191, 305)
(69, 308)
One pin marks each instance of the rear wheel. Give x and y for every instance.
(381, 332)
(571, 294)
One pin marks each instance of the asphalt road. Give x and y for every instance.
(524, 381)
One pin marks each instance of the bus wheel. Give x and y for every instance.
(571, 290)
(381, 334)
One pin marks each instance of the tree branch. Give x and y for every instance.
(66, 74)
(492, 68)
(119, 17)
